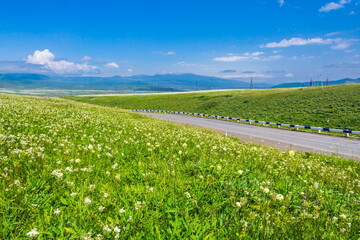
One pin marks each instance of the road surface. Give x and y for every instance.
(280, 138)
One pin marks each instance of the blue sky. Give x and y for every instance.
(269, 40)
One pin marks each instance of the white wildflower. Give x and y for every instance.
(279, 197)
(265, 190)
(101, 208)
(139, 205)
(106, 228)
(33, 233)
(57, 173)
(99, 237)
(57, 211)
(187, 194)
(122, 210)
(114, 166)
(87, 201)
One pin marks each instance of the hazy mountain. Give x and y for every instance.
(163, 82)
(317, 83)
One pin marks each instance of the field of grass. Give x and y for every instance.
(333, 106)
(70, 170)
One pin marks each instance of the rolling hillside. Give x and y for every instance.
(70, 170)
(333, 106)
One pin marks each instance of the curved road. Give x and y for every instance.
(280, 138)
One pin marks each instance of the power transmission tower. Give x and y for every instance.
(311, 82)
(327, 81)
(251, 84)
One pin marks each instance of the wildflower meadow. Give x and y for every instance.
(72, 170)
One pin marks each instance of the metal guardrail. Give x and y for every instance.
(253, 121)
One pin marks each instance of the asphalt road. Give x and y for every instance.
(280, 138)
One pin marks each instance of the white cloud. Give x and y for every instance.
(273, 58)
(344, 1)
(230, 59)
(130, 70)
(184, 63)
(41, 57)
(332, 34)
(255, 56)
(333, 6)
(338, 43)
(112, 65)
(168, 53)
(341, 46)
(86, 59)
(303, 57)
(289, 75)
(298, 42)
(281, 2)
(46, 59)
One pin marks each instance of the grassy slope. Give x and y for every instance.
(334, 106)
(175, 183)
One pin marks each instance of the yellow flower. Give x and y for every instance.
(291, 153)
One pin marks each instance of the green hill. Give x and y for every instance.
(332, 106)
(70, 170)
(317, 83)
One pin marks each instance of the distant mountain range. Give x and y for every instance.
(159, 82)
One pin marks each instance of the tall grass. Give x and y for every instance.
(70, 170)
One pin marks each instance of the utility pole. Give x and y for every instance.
(327, 81)
(311, 82)
(251, 84)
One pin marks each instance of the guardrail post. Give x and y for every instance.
(348, 132)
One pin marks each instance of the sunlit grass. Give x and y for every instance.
(333, 106)
(70, 170)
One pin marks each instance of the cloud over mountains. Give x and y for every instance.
(47, 60)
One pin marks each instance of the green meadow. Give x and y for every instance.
(70, 170)
(333, 106)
